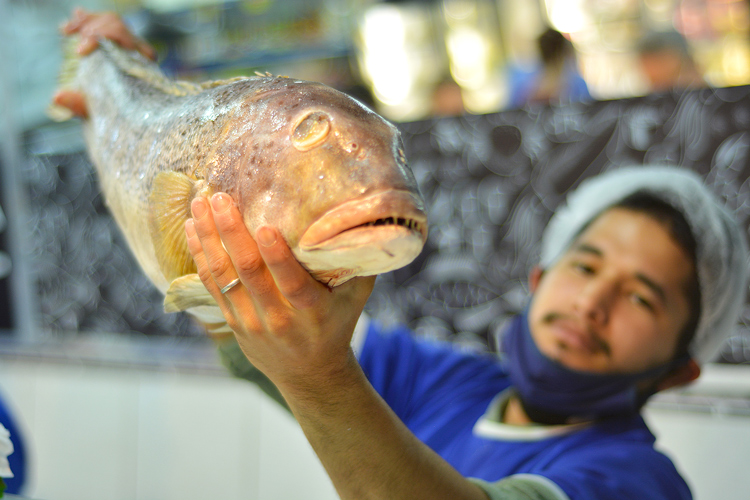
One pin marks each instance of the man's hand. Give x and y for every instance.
(92, 26)
(297, 332)
(290, 326)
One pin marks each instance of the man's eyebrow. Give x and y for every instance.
(650, 283)
(586, 248)
(655, 287)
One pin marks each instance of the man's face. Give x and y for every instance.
(617, 301)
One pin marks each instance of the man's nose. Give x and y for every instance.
(594, 301)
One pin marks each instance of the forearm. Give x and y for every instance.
(366, 450)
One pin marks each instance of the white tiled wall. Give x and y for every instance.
(99, 432)
(103, 433)
(711, 450)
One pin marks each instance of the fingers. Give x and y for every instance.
(267, 266)
(292, 280)
(284, 320)
(74, 23)
(218, 263)
(196, 250)
(74, 101)
(236, 304)
(93, 26)
(243, 251)
(268, 270)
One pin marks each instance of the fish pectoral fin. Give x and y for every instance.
(169, 209)
(188, 292)
(215, 329)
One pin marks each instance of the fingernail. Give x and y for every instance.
(199, 208)
(190, 228)
(82, 47)
(220, 202)
(265, 236)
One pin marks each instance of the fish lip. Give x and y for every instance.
(364, 212)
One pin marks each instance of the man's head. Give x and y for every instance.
(642, 277)
(666, 61)
(554, 47)
(623, 295)
(642, 266)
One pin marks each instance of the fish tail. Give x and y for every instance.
(67, 77)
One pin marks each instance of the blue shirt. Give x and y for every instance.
(443, 396)
(522, 83)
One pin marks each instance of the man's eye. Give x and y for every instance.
(583, 268)
(642, 301)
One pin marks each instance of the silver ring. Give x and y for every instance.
(231, 285)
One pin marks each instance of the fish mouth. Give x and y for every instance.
(364, 237)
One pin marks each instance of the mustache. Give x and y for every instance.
(601, 344)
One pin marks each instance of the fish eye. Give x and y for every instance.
(311, 131)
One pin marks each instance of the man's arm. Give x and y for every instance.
(297, 332)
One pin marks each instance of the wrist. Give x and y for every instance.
(324, 384)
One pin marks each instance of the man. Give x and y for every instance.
(667, 63)
(556, 78)
(642, 276)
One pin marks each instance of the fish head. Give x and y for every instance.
(331, 176)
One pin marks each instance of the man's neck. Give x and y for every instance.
(514, 414)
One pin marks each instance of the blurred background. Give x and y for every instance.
(411, 59)
(504, 106)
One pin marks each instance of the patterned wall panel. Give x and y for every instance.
(490, 182)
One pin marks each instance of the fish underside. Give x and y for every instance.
(323, 169)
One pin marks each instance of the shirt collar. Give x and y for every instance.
(491, 426)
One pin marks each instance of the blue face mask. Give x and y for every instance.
(551, 393)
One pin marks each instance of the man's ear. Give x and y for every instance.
(681, 375)
(535, 276)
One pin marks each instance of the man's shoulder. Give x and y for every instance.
(619, 442)
(629, 430)
(401, 344)
(416, 375)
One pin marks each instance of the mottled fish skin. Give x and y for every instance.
(291, 153)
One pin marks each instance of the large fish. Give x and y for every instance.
(322, 168)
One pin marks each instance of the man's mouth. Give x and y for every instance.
(570, 334)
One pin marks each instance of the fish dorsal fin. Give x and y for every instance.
(218, 83)
(134, 64)
(169, 209)
(268, 74)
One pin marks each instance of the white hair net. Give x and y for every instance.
(721, 249)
